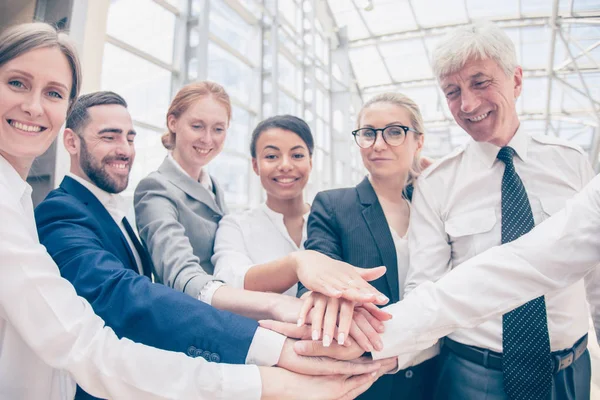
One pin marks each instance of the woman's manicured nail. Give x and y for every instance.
(315, 335)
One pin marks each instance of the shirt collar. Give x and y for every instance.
(13, 180)
(111, 201)
(488, 152)
(274, 215)
(204, 177)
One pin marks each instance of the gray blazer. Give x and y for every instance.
(177, 219)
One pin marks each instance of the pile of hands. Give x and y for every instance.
(332, 329)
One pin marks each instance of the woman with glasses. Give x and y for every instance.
(366, 226)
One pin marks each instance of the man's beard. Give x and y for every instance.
(96, 171)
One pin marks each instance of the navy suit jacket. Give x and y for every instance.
(92, 253)
(349, 225)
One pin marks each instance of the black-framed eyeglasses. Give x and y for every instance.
(393, 135)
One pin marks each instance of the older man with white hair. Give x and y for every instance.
(490, 191)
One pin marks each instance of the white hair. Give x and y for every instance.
(479, 40)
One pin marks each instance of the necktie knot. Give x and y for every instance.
(506, 155)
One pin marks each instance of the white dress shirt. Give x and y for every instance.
(117, 207)
(252, 237)
(456, 214)
(401, 245)
(413, 358)
(513, 273)
(266, 345)
(49, 336)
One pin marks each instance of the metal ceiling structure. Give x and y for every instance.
(557, 43)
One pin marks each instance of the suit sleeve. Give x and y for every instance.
(131, 304)
(164, 235)
(322, 232)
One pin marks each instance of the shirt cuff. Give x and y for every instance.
(412, 359)
(240, 382)
(208, 291)
(266, 348)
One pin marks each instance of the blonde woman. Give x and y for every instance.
(366, 226)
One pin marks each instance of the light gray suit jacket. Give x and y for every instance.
(177, 219)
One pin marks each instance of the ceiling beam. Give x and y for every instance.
(540, 20)
(585, 52)
(426, 82)
(576, 89)
(440, 30)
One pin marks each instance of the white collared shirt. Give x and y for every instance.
(413, 358)
(49, 335)
(117, 207)
(505, 276)
(256, 236)
(456, 214)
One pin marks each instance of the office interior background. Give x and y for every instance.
(319, 60)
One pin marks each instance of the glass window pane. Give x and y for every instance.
(235, 76)
(152, 30)
(150, 153)
(320, 100)
(145, 86)
(286, 105)
(232, 174)
(239, 131)
(322, 76)
(287, 40)
(235, 31)
(290, 75)
(179, 4)
(289, 10)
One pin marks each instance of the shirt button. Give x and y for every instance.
(214, 357)
(198, 353)
(408, 374)
(206, 355)
(191, 351)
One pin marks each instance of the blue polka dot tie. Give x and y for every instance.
(526, 361)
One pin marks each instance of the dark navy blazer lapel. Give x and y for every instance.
(102, 215)
(380, 230)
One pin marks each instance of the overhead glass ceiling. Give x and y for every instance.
(557, 42)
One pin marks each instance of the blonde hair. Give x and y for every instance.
(22, 38)
(416, 120)
(186, 96)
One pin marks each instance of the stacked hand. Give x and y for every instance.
(333, 375)
(341, 311)
(362, 321)
(333, 278)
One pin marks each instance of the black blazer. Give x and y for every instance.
(349, 225)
